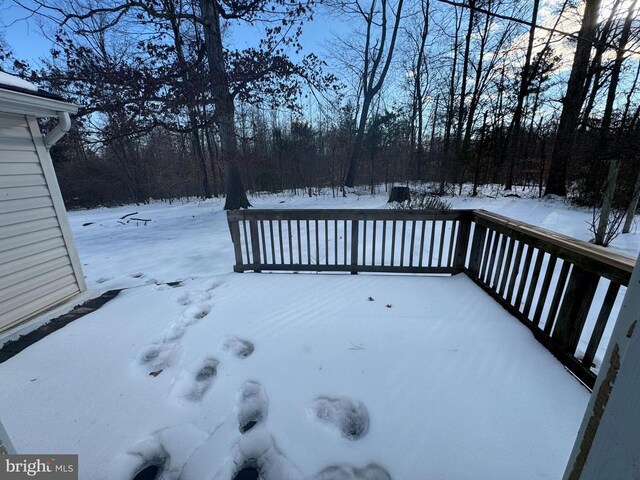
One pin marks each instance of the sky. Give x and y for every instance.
(23, 34)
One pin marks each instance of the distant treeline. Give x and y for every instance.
(539, 93)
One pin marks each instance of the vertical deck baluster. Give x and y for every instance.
(534, 283)
(557, 296)
(454, 226)
(515, 271)
(384, 240)
(326, 242)
(492, 258)
(487, 250)
(344, 235)
(477, 249)
(255, 244)
(393, 241)
(601, 323)
(404, 231)
(463, 237)
(523, 278)
(281, 242)
(246, 241)
(443, 227)
(335, 242)
(299, 242)
(496, 275)
(432, 242)
(364, 242)
(373, 249)
(317, 243)
(545, 289)
(308, 242)
(290, 236)
(421, 255)
(264, 243)
(412, 241)
(507, 267)
(354, 246)
(273, 243)
(574, 310)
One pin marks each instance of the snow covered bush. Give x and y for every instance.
(423, 201)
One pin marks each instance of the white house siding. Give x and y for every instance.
(39, 267)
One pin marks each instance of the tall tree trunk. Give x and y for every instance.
(225, 110)
(372, 78)
(463, 88)
(572, 102)
(418, 92)
(514, 129)
(594, 73)
(196, 144)
(432, 139)
(446, 154)
(476, 170)
(612, 177)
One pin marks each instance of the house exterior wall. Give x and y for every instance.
(39, 265)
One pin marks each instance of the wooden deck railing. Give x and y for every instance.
(563, 289)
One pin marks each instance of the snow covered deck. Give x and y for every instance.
(418, 376)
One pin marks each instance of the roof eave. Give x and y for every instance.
(32, 104)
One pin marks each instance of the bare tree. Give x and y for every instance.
(376, 62)
(253, 72)
(571, 104)
(523, 90)
(604, 222)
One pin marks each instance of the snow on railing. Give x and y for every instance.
(565, 290)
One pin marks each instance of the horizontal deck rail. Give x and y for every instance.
(564, 290)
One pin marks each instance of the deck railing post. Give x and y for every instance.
(575, 308)
(354, 246)
(234, 229)
(255, 245)
(462, 241)
(477, 247)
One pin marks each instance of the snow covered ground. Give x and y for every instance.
(424, 388)
(191, 239)
(440, 384)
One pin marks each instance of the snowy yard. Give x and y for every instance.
(415, 376)
(187, 240)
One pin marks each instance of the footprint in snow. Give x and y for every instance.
(137, 275)
(203, 378)
(184, 299)
(239, 347)
(349, 417)
(194, 313)
(194, 296)
(175, 332)
(251, 406)
(195, 380)
(156, 356)
(347, 472)
(257, 456)
(249, 470)
(213, 285)
(161, 455)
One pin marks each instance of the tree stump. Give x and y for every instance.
(399, 194)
